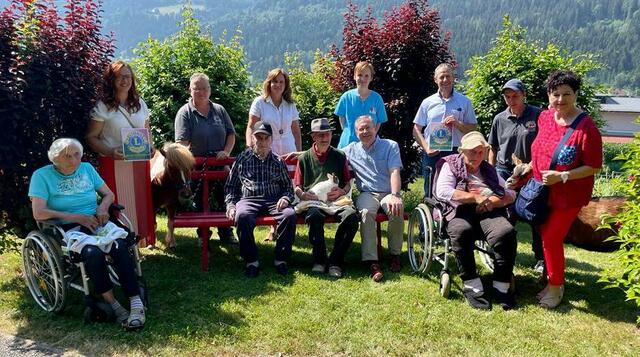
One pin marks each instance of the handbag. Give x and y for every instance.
(531, 203)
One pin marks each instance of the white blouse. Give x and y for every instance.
(114, 120)
(280, 118)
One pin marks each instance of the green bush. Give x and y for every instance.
(612, 155)
(163, 70)
(50, 68)
(626, 270)
(513, 56)
(314, 96)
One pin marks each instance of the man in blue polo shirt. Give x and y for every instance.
(377, 164)
(448, 107)
(512, 133)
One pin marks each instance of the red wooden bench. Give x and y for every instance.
(207, 219)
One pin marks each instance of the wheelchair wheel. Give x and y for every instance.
(445, 284)
(486, 257)
(43, 271)
(420, 239)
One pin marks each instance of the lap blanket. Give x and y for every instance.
(104, 238)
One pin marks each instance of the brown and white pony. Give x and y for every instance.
(584, 231)
(171, 169)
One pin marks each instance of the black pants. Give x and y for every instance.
(467, 226)
(536, 239)
(347, 229)
(96, 267)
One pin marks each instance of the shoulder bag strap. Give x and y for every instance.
(564, 139)
(126, 115)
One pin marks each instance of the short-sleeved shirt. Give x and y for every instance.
(280, 118)
(350, 107)
(207, 134)
(584, 147)
(75, 193)
(435, 108)
(114, 120)
(514, 135)
(373, 167)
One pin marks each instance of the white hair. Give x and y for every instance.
(363, 118)
(60, 145)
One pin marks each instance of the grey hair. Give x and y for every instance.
(60, 145)
(444, 66)
(363, 117)
(198, 76)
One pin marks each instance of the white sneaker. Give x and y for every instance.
(539, 267)
(318, 268)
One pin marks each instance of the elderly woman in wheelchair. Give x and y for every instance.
(469, 206)
(65, 193)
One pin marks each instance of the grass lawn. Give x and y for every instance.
(222, 312)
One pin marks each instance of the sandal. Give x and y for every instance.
(135, 321)
(552, 298)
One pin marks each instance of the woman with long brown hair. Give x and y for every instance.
(120, 106)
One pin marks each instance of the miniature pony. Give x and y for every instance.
(171, 181)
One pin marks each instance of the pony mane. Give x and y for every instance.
(178, 156)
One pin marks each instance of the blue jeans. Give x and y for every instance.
(536, 240)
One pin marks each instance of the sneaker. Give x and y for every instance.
(136, 320)
(318, 268)
(552, 298)
(335, 272)
(539, 267)
(506, 300)
(282, 269)
(376, 272)
(394, 264)
(477, 300)
(251, 271)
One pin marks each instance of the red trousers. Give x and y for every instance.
(553, 232)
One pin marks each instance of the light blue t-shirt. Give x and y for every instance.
(350, 107)
(373, 167)
(435, 108)
(75, 193)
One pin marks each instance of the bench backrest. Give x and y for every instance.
(210, 169)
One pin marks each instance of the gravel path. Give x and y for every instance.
(16, 346)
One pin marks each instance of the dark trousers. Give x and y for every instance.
(96, 267)
(429, 168)
(536, 239)
(247, 210)
(467, 226)
(347, 229)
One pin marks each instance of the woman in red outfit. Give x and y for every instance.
(571, 182)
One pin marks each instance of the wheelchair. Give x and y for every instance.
(428, 241)
(50, 269)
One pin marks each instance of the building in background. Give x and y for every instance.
(619, 114)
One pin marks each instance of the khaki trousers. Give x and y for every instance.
(368, 204)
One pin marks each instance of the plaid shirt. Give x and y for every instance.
(252, 177)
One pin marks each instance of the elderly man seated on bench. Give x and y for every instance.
(474, 197)
(377, 164)
(259, 184)
(313, 167)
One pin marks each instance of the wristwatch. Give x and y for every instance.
(564, 175)
(397, 194)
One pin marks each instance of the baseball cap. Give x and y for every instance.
(262, 127)
(471, 140)
(514, 84)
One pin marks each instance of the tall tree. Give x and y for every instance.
(50, 68)
(513, 56)
(405, 48)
